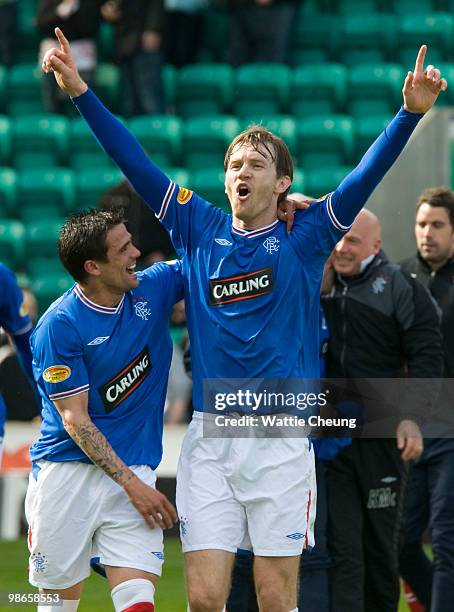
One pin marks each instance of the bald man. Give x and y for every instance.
(382, 324)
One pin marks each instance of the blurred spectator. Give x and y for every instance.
(79, 19)
(148, 235)
(138, 47)
(8, 31)
(260, 30)
(184, 23)
(430, 500)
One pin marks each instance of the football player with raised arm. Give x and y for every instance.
(252, 312)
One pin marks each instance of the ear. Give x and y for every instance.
(282, 184)
(91, 267)
(377, 245)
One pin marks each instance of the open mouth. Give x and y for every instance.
(242, 192)
(131, 269)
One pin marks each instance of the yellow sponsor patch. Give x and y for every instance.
(184, 195)
(56, 373)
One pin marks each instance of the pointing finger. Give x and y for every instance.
(419, 65)
(62, 40)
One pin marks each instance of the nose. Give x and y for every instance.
(341, 246)
(136, 253)
(244, 170)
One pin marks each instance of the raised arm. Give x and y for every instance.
(146, 178)
(420, 91)
(78, 424)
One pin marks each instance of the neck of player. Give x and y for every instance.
(102, 295)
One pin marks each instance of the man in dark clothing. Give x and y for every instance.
(431, 493)
(81, 19)
(382, 324)
(138, 32)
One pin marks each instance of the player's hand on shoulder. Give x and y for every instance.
(62, 63)
(286, 209)
(421, 87)
(152, 504)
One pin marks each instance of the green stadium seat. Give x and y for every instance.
(160, 136)
(24, 90)
(321, 181)
(41, 238)
(50, 287)
(47, 193)
(434, 29)
(92, 183)
(5, 140)
(205, 140)
(319, 32)
(299, 181)
(366, 131)
(12, 242)
(209, 184)
(107, 85)
(375, 89)
(28, 33)
(179, 175)
(8, 192)
(215, 33)
(40, 266)
(204, 89)
(319, 94)
(83, 149)
(169, 78)
(304, 57)
(39, 141)
(357, 7)
(261, 88)
(3, 85)
(324, 141)
(106, 41)
(281, 125)
(367, 38)
(411, 7)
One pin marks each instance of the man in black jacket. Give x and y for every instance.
(431, 492)
(384, 325)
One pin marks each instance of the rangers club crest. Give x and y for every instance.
(271, 245)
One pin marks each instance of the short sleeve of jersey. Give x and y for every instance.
(13, 316)
(58, 362)
(169, 278)
(316, 229)
(188, 217)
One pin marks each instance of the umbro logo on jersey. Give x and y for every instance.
(240, 287)
(125, 382)
(388, 479)
(223, 241)
(295, 536)
(98, 340)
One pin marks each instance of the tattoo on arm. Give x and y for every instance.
(95, 445)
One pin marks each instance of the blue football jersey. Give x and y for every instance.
(13, 317)
(120, 356)
(252, 296)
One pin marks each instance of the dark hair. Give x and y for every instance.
(442, 197)
(83, 237)
(259, 137)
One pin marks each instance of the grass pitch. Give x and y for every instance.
(170, 594)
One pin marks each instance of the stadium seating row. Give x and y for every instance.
(44, 141)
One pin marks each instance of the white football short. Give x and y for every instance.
(239, 491)
(76, 512)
